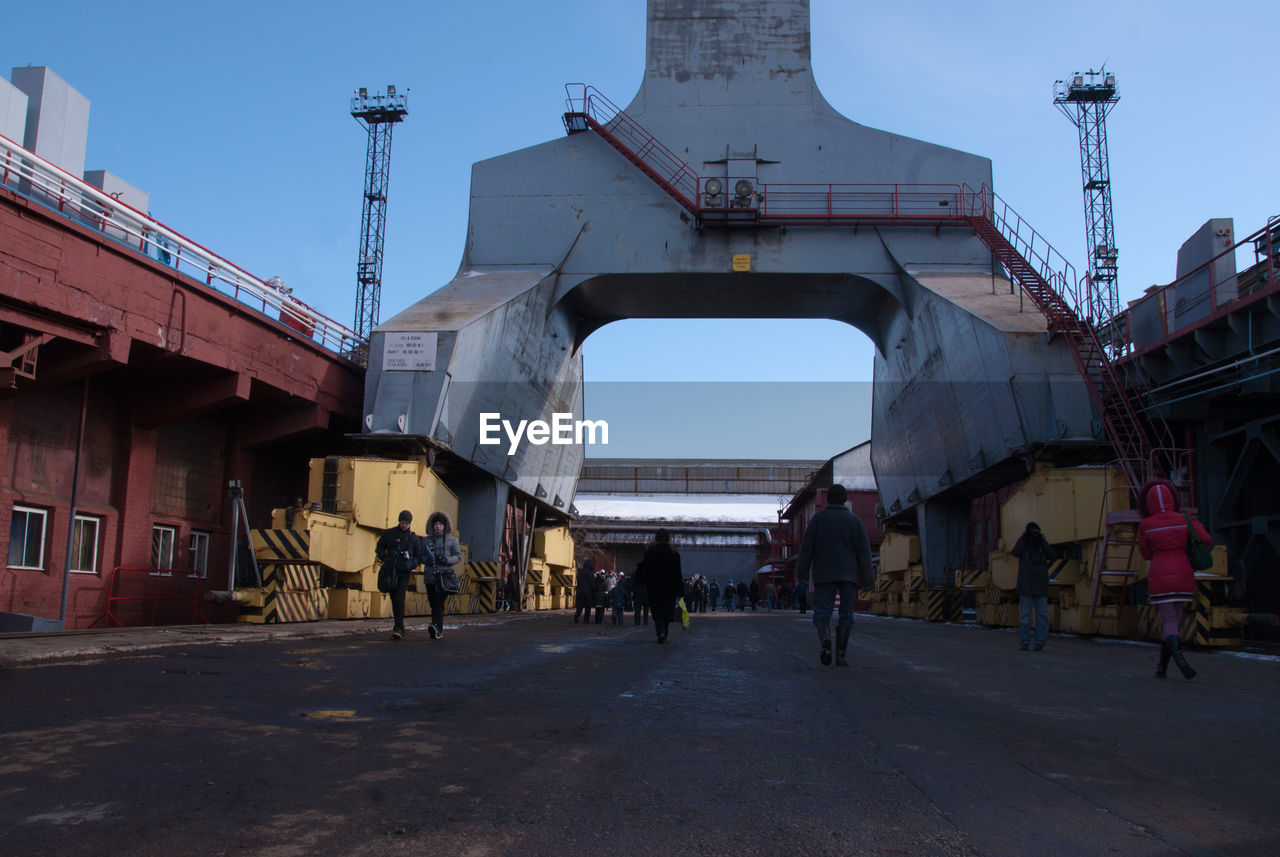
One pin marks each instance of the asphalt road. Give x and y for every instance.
(530, 735)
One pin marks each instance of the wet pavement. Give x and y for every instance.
(525, 734)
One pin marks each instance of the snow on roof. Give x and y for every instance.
(689, 508)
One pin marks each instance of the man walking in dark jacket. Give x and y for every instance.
(838, 551)
(660, 573)
(404, 551)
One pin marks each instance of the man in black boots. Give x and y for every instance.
(402, 550)
(838, 551)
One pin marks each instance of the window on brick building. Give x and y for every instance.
(84, 544)
(26, 537)
(199, 553)
(162, 540)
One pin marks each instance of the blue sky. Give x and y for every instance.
(234, 117)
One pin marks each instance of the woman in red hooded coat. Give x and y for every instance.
(1171, 582)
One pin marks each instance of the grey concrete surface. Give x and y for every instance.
(530, 735)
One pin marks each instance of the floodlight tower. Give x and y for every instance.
(379, 113)
(1086, 99)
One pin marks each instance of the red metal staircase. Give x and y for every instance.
(590, 110)
(1142, 440)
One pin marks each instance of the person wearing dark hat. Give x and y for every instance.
(400, 547)
(835, 557)
(1034, 555)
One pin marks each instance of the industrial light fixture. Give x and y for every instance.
(713, 193)
(364, 92)
(391, 89)
(743, 189)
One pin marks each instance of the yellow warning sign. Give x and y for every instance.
(742, 261)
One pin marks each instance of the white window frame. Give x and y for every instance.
(198, 553)
(30, 512)
(158, 532)
(82, 522)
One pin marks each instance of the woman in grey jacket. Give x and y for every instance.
(444, 546)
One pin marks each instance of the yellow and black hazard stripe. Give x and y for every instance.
(481, 570)
(1196, 626)
(268, 613)
(281, 544)
(301, 605)
(941, 605)
(487, 595)
(969, 576)
(300, 575)
(482, 592)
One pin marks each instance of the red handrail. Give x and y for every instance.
(1266, 244)
(158, 586)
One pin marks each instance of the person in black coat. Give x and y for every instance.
(661, 576)
(836, 556)
(584, 596)
(1034, 555)
(639, 598)
(403, 549)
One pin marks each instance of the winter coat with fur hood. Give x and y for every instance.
(444, 546)
(1162, 539)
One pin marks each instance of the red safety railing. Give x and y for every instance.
(1203, 294)
(139, 597)
(587, 109)
(48, 184)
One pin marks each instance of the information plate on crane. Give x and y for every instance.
(409, 351)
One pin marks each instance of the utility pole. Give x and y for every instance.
(379, 113)
(1086, 99)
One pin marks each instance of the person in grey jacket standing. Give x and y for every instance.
(448, 553)
(838, 553)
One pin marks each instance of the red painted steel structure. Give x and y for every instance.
(188, 388)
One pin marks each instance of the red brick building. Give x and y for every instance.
(179, 389)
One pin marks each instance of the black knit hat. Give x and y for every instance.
(406, 515)
(837, 494)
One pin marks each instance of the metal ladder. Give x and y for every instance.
(1116, 561)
